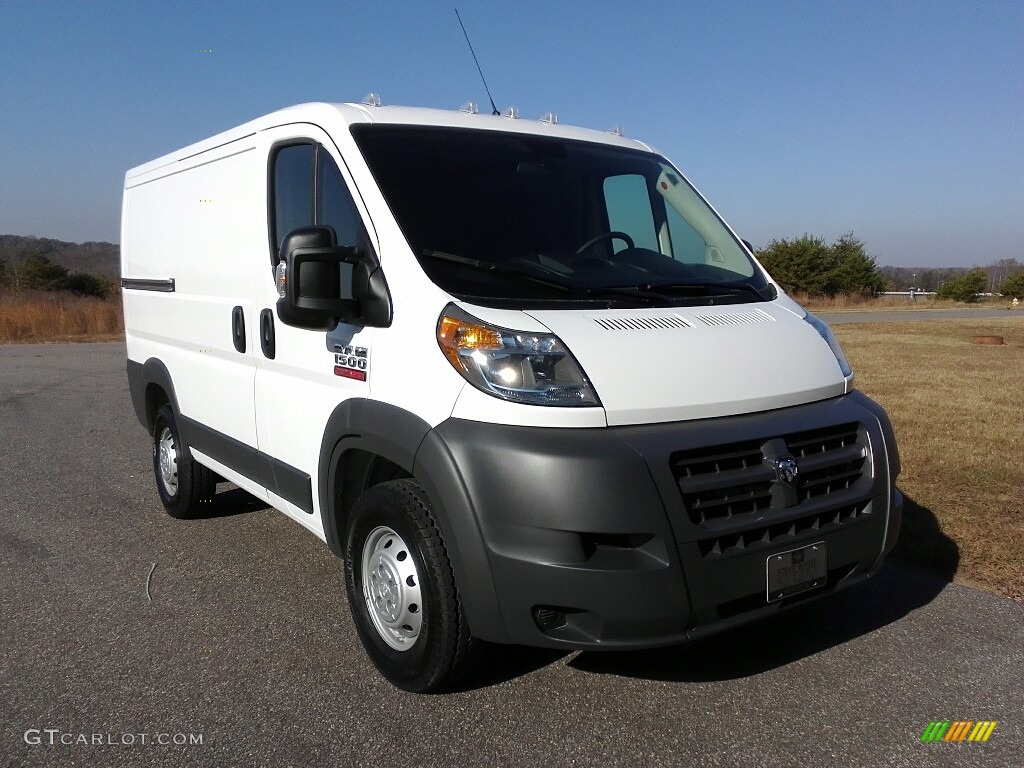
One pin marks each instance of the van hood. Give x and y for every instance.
(657, 365)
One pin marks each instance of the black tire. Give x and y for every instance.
(398, 516)
(186, 487)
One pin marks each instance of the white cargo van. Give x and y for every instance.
(521, 376)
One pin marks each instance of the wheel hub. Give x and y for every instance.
(391, 587)
(167, 458)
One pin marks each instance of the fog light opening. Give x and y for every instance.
(549, 618)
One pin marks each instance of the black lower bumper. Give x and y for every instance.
(631, 537)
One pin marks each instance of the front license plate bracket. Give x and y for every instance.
(796, 570)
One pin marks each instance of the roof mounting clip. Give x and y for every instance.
(511, 113)
(550, 118)
(371, 99)
(469, 108)
(615, 130)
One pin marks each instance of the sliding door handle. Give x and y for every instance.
(238, 329)
(267, 333)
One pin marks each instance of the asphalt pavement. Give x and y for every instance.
(123, 631)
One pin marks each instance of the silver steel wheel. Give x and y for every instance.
(167, 456)
(391, 587)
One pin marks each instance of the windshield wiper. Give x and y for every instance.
(490, 266)
(443, 256)
(641, 293)
(654, 294)
(765, 293)
(704, 289)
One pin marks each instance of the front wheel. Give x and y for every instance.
(401, 590)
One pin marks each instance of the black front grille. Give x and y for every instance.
(731, 485)
(781, 533)
(724, 481)
(831, 460)
(823, 440)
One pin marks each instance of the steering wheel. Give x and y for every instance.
(606, 236)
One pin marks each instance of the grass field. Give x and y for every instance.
(958, 410)
(39, 316)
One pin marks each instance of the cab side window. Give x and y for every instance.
(308, 189)
(334, 204)
(293, 190)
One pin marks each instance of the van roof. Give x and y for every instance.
(463, 118)
(327, 115)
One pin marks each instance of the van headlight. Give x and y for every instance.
(531, 368)
(826, 333)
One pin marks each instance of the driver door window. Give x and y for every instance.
(293, 189)
(309, 190)
(334, 204)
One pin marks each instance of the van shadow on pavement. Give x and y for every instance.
(899, 588)
(923, 544)
(891, 594)
(806, 630)
(229, 503)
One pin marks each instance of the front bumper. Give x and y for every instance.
(632, 537)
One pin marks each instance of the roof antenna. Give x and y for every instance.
(494, 109)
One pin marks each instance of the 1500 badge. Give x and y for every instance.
(351, 362)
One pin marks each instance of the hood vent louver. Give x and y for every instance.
(736, 318)
(651, 323)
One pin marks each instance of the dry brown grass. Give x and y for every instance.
(38, 316)
(958, 410)
(857, 302)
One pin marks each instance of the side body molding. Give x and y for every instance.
(284, 480)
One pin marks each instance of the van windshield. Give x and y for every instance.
(506, 218)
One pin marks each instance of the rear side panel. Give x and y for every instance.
(199, 222)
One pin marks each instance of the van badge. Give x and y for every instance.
(786, 470)
(351, 362)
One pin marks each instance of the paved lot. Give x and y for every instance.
(247, 639)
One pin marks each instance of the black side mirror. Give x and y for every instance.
(749, 246)
(316, 275)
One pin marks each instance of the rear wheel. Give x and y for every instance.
(401, 590)
(186, 487)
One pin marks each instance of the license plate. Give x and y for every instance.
(796, 571)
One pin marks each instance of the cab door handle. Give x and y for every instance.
(238, 329)
(267, 334)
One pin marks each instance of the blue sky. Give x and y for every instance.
(900, 121)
